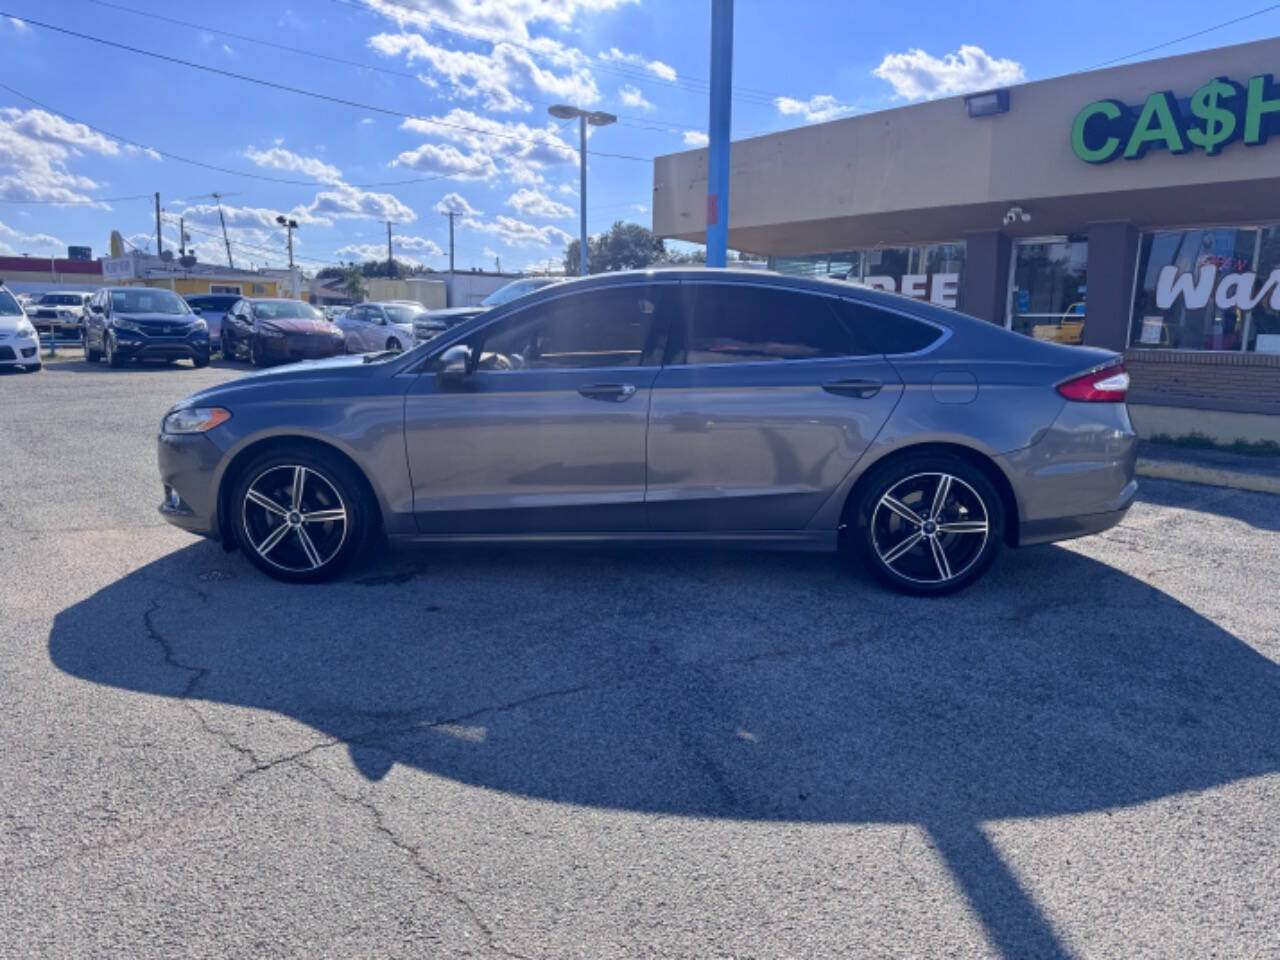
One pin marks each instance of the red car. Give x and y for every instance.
(267, 331)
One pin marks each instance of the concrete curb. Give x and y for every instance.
(1213, 476)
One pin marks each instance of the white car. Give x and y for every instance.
(19, 343)
(60, 309)
(373, 327)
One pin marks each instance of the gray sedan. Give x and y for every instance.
(689, 406)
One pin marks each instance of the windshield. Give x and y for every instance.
(399, 314)
(513, 290)
(8, 304)
(145, 300)
(62, 299)
(284, 310)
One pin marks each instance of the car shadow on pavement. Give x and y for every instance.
(768, 687)
(1242, 505)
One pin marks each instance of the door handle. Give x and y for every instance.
(862, 389)
(609, 392)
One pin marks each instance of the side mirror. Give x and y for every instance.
(453, 366)
(95, 308)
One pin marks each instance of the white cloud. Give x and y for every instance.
(29, 242)
(420, 246)
(509, 19)
(366, 121)
(456, 203)
(531, 203)
(816, 109)
(50, 128)
(278, 158)
(207, 213)
(523, 150)
(449, 161)
(36, 150)
(632, 97)
(18, 25)
(696, 138)
(916, 75)
(659, 69)
(345, 202)
(517, 233)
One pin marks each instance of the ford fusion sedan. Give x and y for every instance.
(685, 406)
(268, 331)
(430, 324)
(123, 324)
(371, 327)
(19, 342)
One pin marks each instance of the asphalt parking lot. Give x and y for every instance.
(603, 753)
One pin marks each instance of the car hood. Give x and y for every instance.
(298, 325)
(454, 313)
(9, 322)
(279, 381)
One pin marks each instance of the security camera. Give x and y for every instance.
(1016, 215)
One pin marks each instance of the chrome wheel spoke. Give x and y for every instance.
(308, 547)
(299, 482)
(940, 559)
(266, 503)
(272, 539)
(902, 547)
(324, 516)
(963, 526)
(902, 510)
(940, 496)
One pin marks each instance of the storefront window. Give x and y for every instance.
(1264, 331)
(932, 273)
(1205, 290)
(1048, 295)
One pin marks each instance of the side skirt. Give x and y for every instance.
(804, 540)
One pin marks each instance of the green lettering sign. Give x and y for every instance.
(1158, 123)
(1216, 115)
(1095, 117)
(1258, 108)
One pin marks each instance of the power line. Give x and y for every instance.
(299, 91)
(1189, 36)
(140, 196)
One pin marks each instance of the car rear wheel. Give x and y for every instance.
(929, 525)
(301, 516)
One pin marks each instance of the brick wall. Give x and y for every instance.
(1244, 382)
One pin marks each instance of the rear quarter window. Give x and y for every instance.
(887, 332)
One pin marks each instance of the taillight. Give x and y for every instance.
(1108, 385)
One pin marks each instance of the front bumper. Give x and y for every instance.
(19, 351)
(138, 346)
(301, 347)
(188, 470)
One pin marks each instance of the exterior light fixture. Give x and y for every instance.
(987, 104)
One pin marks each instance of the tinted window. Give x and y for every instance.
(603, 328)
(284, 309)
(402, 314)
(881, 331)
(741, 323)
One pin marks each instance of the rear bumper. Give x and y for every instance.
(1068, 528)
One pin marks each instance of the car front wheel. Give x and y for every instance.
(114, 359)
(302, 516)
(928, 525)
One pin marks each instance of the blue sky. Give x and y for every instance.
(478, 75)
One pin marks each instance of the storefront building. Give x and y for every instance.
(1135, 208)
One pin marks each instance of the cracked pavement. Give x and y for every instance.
(603, 753)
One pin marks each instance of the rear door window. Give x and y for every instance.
(746, 323)
(885, 331)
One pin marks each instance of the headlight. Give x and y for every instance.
(194, 419)
(120, 323)
(271, 331)
(25, 329)
(198, 324)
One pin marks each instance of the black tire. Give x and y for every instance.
(200, 360)
(255, 353)
(329, 484)
(944, 548)
(90, 354)
(227, 346)
(114, 360)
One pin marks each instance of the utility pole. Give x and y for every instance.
(451, 214)
(497, 264)
(391, 264)
(182, 236)
(159, 241)
(718, 128)
(218, 200)
(289, 225)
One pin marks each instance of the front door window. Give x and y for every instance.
(1048, 289)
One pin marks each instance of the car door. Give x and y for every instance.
(547, 433)
(93, 319)
(356, 324)
(765, 405)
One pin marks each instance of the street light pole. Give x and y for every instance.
(719, 126)
(597, 118)
(290, 225)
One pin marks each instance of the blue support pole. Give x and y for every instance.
(718, 160)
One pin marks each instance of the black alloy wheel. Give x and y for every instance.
(929, 525)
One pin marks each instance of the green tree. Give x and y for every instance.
(627, 246)
(352, 282)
